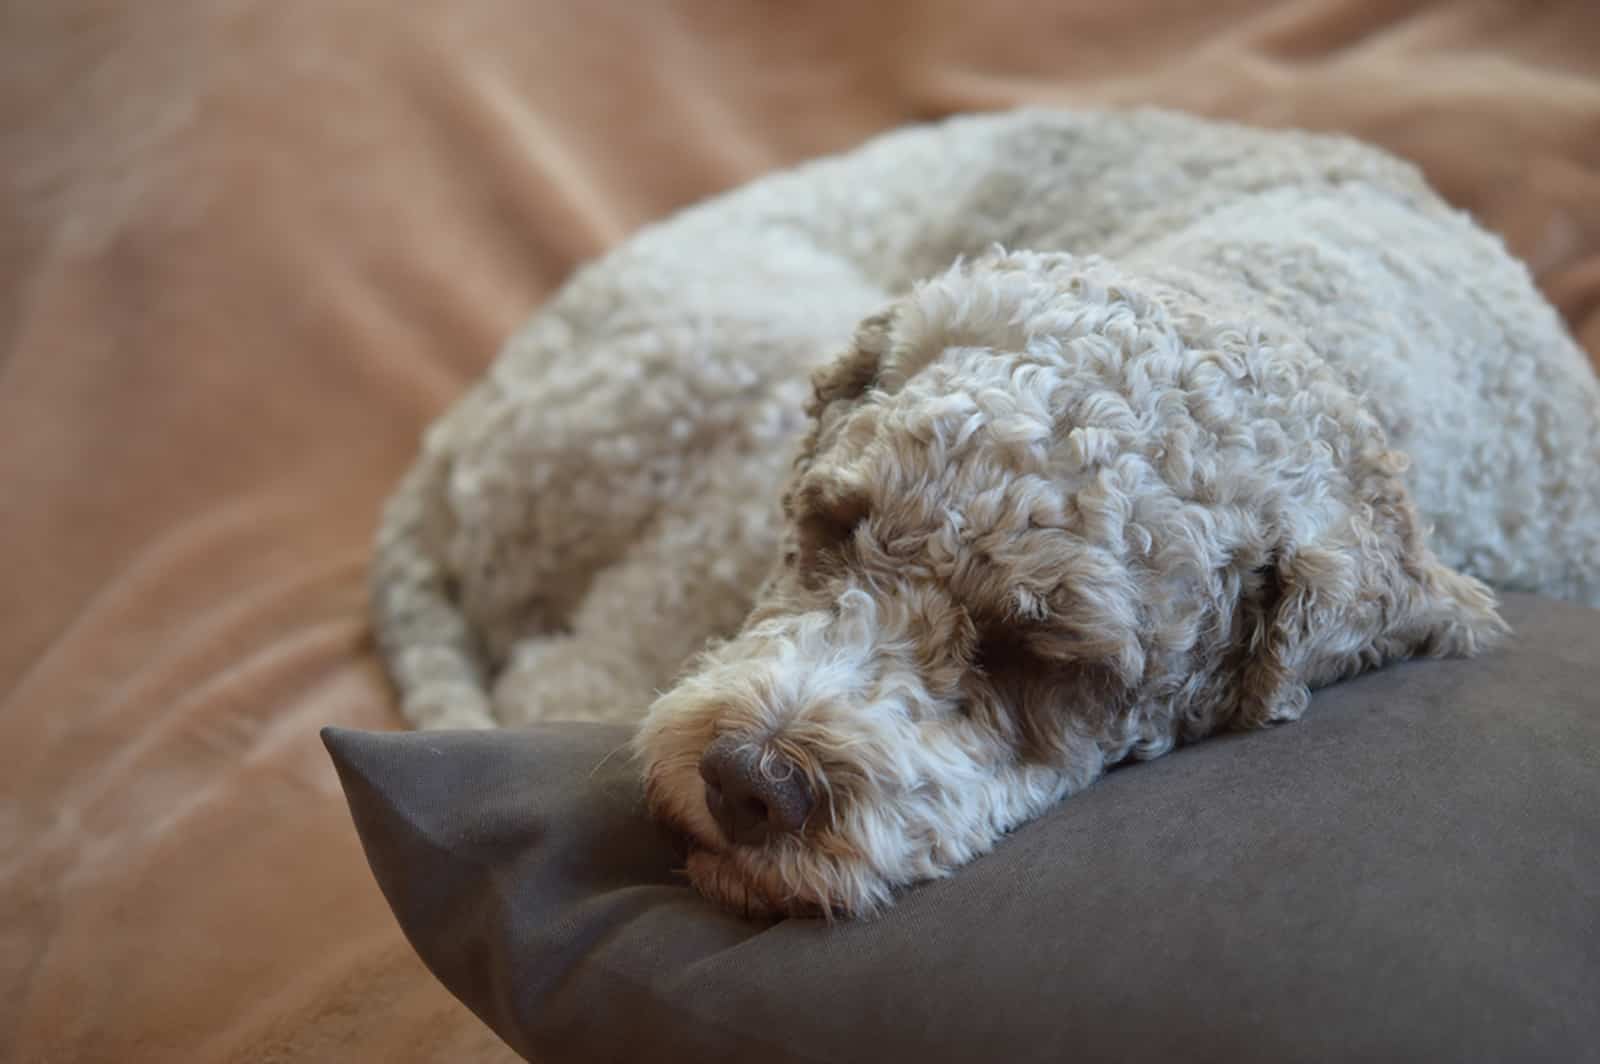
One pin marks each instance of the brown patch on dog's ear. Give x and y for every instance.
(1270, 627)
(830, 515)
(825, 512)
(850, 375)
(834, 388)
(1323, 614)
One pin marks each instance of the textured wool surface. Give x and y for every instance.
(249, 250)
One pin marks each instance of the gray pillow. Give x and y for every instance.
(1410, 873)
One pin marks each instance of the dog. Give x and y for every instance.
(896, 537)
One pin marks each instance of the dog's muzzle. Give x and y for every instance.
(753, 797)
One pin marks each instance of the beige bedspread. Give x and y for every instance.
(249, 248)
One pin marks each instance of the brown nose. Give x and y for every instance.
(751, 800)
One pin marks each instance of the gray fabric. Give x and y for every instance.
(1410, 873)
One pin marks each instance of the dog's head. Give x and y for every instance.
(983, 599)
(880, 719)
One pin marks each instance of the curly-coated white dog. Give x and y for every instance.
(1252, 412)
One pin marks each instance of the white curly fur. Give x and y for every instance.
(1161, 473)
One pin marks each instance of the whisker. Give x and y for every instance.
(619, 748)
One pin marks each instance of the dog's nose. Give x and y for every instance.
(751, 796)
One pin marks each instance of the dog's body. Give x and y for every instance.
(1162, 493)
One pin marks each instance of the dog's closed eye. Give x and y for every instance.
(999, 653)
(1029, 696)
(1007, 686)
(829, 531)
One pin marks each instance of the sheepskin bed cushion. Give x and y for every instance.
(1411, 873)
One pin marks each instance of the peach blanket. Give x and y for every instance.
(248, 249)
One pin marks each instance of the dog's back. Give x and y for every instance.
(1347, 249)
(1326, 241)
(1447, 339)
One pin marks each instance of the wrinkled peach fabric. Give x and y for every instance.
(249, 249)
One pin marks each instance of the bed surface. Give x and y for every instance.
(1407, 874)
(248, 250)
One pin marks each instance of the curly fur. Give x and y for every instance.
(1252, 413)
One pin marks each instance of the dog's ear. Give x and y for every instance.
(824, 510)
(1321, 613)
(849, 376)
(1287, 608)
(838, 385)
